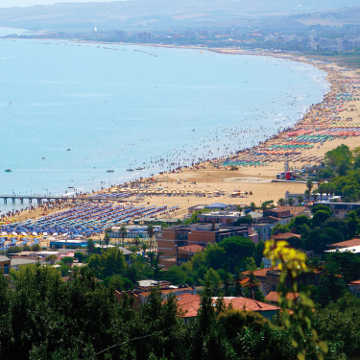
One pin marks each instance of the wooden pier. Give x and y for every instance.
(53, 198)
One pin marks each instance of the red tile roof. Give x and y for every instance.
(260, 272)
(169, 291)
(246, 304)
(285, 236)
(347, 243)
(244, 281)
(274, 296)
(189, 305)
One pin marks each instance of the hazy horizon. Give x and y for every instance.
(26, 3)
(306, 5)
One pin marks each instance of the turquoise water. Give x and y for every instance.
(71, 111)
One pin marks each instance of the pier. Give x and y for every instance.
(39, 199)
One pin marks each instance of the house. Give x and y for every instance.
(141, 295)
(196, 234)
(354, 287)
(4, 264)
(264, 230)
(267, 279)
(285, 236)
(340, 209)
(17, 262)
(223, 217)
(280, 215)
(185, 253)
(352, 246)
(189, 305)
(165, 293)
(273, 297)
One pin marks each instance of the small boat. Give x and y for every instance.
(129, 169)
(140, 168)
(68, 149)
(110, 171)
(8, 170)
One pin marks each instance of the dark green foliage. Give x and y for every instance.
(227, 258)
(43, 317)
(339, 323)
(342, 172)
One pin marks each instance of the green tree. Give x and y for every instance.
(237, 249)
(111, 262)
(339, 159)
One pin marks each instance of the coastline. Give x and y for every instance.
(210, 177)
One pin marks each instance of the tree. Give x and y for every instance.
(281, 202)
(320, 217)
(318, 207)
(237, 249)
(91, 246)
(309, 185)
(67, 260)
(330, 287)
(106, 238)
(150, 231)
(111, 262)
(267, 204)
(339, 159)
(213, 282)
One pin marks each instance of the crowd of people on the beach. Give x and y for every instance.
(322, 123)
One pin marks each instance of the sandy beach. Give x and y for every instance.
(334, 121)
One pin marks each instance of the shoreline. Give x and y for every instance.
(335, 75)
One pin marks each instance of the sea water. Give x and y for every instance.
(69, 111)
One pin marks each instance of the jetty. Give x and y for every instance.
(53, 198)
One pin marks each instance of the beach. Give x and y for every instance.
(249, 175)
(326, 125)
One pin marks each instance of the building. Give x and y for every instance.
(17, 262)
(185, 253)
(203, 234)
(354, 287)
(223, 217)
(280, 213)
(264, 230)
(70, 244)
(340, 209)
(195, 234)
(189, 305)
(267, 279)
(352, 246)
(4, 264)
(286, 236)
(314, 197)
(273, 297)
(141, 294)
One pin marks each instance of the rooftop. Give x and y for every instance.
(260, 272)
(286, 236)
(189, 304)
(347, 243)
(22, 261)
(274, 296)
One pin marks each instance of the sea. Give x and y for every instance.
(79, 116)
